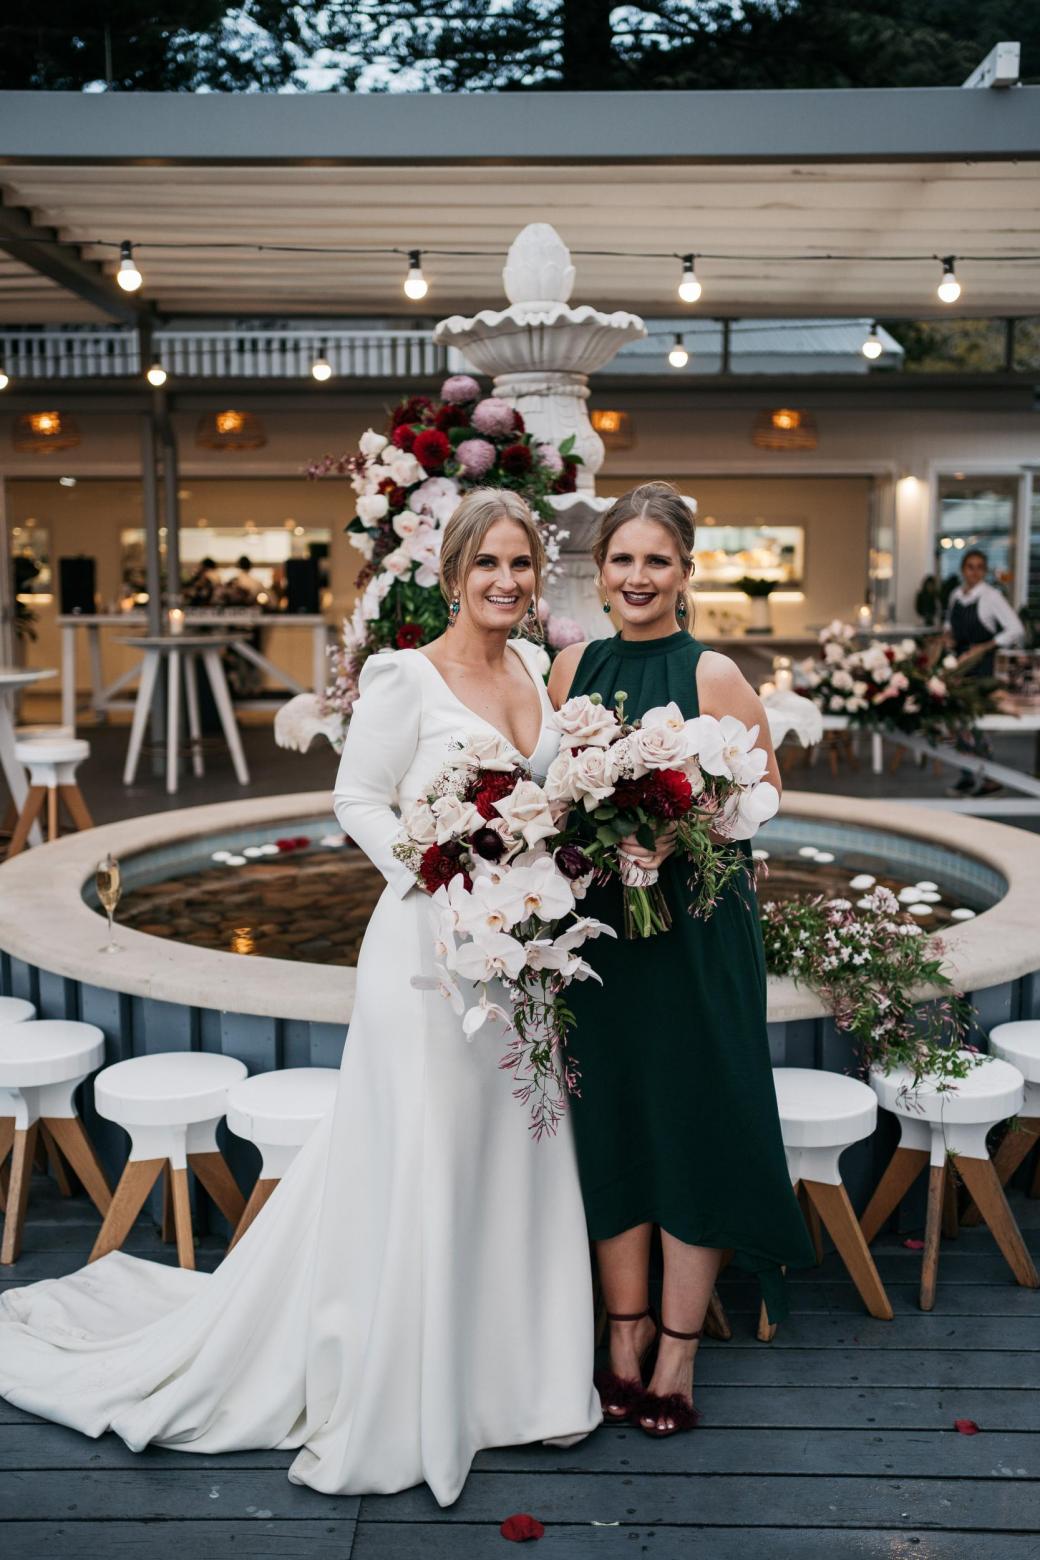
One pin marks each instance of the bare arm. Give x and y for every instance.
(562, 674)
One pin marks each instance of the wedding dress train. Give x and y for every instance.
(418, 1286)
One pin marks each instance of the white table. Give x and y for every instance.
(12, 680)
(231, 620)
(183, 651)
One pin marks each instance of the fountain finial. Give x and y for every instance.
(538, 268)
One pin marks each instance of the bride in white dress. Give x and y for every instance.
(418, 1286)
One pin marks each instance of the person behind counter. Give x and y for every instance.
(979, 622)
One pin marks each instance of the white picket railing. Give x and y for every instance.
(222, 354)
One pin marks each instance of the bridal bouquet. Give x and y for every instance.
(699, 777)
(479, 843)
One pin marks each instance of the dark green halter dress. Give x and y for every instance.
(676, 1123)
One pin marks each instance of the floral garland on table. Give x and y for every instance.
(869, 966)
(911, 687)
(408, 481)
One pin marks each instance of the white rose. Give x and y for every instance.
(364, 543)
(420, 823)
(372, 444)
(562, 776)
(454, 818)
(593, 780)
(397, 563)
(659, 747)
(582, 723)
(526, 811)
(372, 507)
(488, 750)
(404, 468)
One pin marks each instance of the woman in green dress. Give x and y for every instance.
(676, 1124)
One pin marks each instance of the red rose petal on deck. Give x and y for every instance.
(914, 1245)
(520, 1527)
(965, 1427)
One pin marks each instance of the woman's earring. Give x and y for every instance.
(453, 610)
(606, 606)
(681, 610)
(532, 611)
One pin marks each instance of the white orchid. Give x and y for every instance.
(726, 748)
(372, 444)
(407, 523)
(374, 592)
(441, 982)
(437, 497)
(492, 957)
(402, 466)
(744, 813)
(485, 1012)
(364, 543)
(581, 929)
(372, 507)
(492, 905)
(544, 890)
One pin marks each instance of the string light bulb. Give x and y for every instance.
(872, 347)
(949, 288)
(415, 283)
(128, 276)
(5, 378)
(156, 375)
(678, 357)
(689, 287)
(321, 368)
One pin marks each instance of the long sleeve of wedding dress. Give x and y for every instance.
(418, 1286)
(381, 741)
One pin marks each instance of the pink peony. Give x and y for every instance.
(550, 458)
(563, 631)
(493, 416)
(475, 456)
(460, 389)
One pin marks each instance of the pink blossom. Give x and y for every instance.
(563, 631)
(475, 456)
(550, 457)
(460, 389)
(493, 416)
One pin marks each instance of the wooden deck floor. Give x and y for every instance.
(836, 1440)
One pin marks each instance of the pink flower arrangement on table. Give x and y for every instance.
(407, 482)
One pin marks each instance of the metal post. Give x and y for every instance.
(153, 575)
(724, 365)
(1009, 345)
(171, 504)
(8, 605)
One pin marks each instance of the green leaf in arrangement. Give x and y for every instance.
(567, 447)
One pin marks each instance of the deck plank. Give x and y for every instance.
(255, 1539)
(152, 1493)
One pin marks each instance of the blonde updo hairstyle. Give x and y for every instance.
(464, 535)
(664, 503)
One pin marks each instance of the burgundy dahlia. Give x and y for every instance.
(431, 449)
(668, 793)
(567, 481)
(417, 409)
(404, 437)
(438, 867)
(409, 636)
(451, 417)
(516, 460)
(494, 785)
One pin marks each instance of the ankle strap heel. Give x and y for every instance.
(686, 1337)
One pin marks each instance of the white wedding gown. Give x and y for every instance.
(418, 1286)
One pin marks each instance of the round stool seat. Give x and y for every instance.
(15, 1010)
(282, 1107)
(992, 1091)
(36, 1052)
(51, 750)
(167, 1088)
(822, 1109)
(1018, 1044)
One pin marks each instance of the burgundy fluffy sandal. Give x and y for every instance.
(619, 1396)
(673, 1406)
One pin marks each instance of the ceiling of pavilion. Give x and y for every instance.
(745, 205)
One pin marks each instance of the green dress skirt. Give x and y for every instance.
(676, 1123)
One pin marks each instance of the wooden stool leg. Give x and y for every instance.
(1014, 1147)
(52, 813)
(78, 811)
(980, 1178)
(833, 1206)
(214, 1174)
(182, 1219)
(950, 1222)
(716, 1322)
(258, 1197)
(70, 1136)
(26, 818)
(167, 1232)
(1034, 1190)
(6, 1144)
(932, 1232)
(136, 1181)
(812, 1219)
(904, 1167)
(53, 1161)
(18, 1193)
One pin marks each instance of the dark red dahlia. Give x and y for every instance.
(492, 786)
(630, 794)
(518, 422)
(417, 409)
(668, 793)
(396, 496)
(438, 867)
(431, 449)
(450, 416)
(404, 437)
(409, 636)
(516, 459)
(567, 481)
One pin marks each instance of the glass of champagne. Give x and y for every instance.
(109, 885)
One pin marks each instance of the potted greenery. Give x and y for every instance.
(758, 592)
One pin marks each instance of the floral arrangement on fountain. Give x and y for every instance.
(911, 686)
(408, 481)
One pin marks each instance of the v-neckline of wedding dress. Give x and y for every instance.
(538, 691)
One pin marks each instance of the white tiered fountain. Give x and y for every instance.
(541, 352)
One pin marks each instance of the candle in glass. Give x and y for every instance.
(864, 619)
(783, 674)
(176, 619)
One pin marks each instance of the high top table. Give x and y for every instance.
(183, 650)
(12, 680)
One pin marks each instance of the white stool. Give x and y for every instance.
(42, 1062)
(936, 1123)
(821, 1115)
(1019, 1044)
(278, 1111)
(52, 763)
(170, 1103)
(15, 1010)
